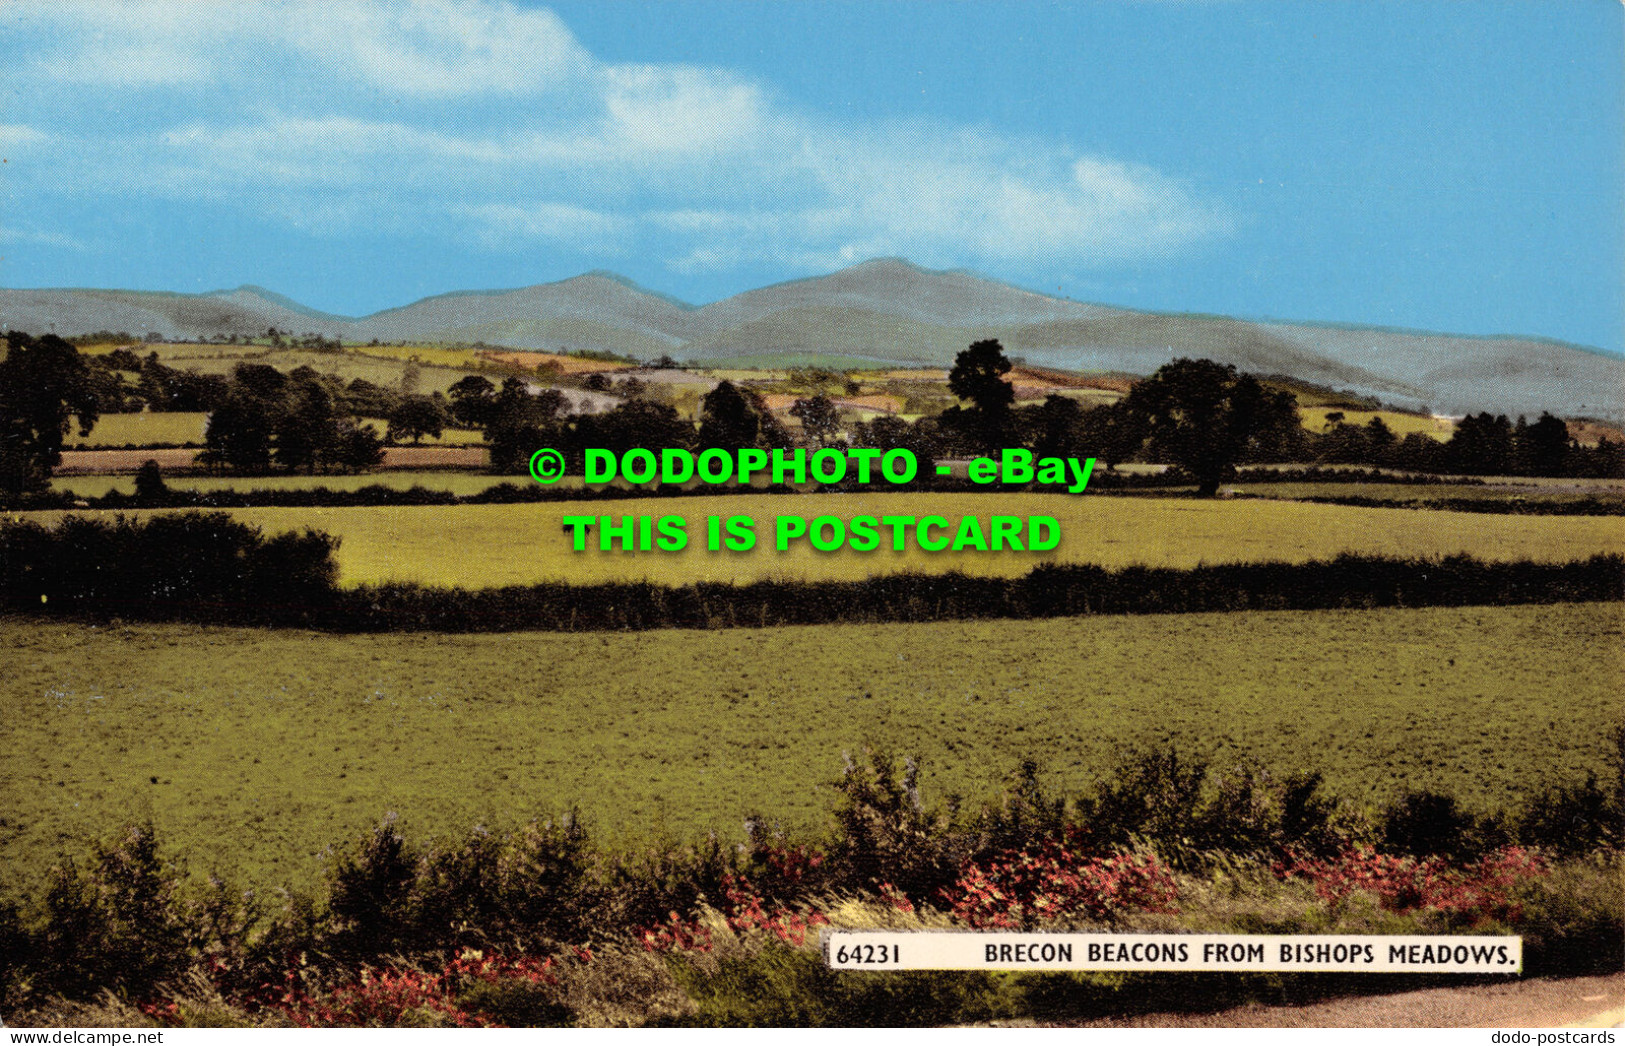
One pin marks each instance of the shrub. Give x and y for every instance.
(119, 924)
(1428, 824)
(1030, 888)
(886, 835)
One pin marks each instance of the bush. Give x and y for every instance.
(1427, 824)
(120, 924)
(886, 838)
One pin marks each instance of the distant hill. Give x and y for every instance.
(888, 311)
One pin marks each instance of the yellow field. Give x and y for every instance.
(448, 438)
(117, 430)
(487, 545)
(432, 355)
(1401, 425)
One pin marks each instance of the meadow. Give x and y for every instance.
(1555, 493)
(149, 428)
(526, 543)
(143, 429)
(1399, 423)
(253, 750)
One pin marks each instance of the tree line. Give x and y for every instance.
(1206, 418)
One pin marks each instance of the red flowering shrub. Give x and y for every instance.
(896, 898)
(743, 909)
(393, 998)
(1483, 889)
(1018, 889)
(779, 869)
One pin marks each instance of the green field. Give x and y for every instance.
(1411, 493)
(523, 544)
(254, 750)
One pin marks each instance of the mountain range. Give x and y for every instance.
(888, 311)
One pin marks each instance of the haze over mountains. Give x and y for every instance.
(890, 312)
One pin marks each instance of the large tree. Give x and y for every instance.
(978, 376)
(819, 418)
(1204, 417)
(416, 417)
(727, 419)
(43, 384)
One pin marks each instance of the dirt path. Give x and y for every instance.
(1592, 1002)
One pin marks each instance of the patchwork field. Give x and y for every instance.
(254, 750)
(523, 544)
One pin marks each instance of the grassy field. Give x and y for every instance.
(1401, 425)
(522, 544)
(254, 750)
(434, 355)
(1403, 493)
(145, 429)
(118, 430)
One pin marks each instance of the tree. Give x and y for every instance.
(1204, 417)
(306, 427)
(364, 399)
(1058, 428)
(727, 419)
(978, 376)
(150, 488)
(1481, 445)
(416, 417)
(514, 430)
(1380, 437)
(358, 446)
(889, 432)
(818, 416)
(1544, 447)
(239, 432)
(1111, 433)
(472, 399)
(43, 384)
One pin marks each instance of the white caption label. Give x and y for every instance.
(1011, 950)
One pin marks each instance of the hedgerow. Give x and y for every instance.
(208, 567)
(534, 925)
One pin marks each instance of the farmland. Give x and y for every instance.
(523, 544)
(253, 750)
(460, 483)
(1511, 490)
(149, 428)
(143, 429)
(1400, 424)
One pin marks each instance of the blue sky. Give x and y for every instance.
(1449, 166)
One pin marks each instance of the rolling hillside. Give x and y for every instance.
(890, 312)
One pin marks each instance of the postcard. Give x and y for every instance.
(696, 513)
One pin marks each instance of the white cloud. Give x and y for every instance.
(13, 135)
(441, 47)
(477, 118)
(501, 224)
(43, 238)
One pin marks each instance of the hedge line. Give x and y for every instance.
(208, 567)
